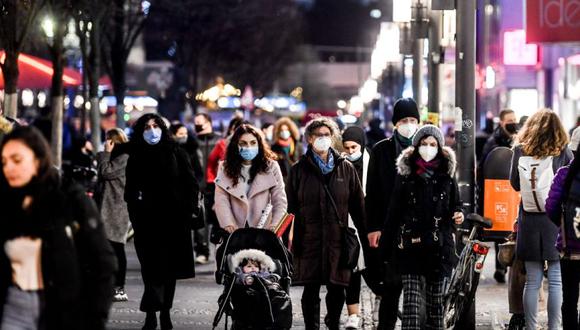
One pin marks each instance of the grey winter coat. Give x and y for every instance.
(111, 174)
(536, 233)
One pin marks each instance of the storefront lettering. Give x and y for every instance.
(560, 13)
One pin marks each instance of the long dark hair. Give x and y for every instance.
(233, 161)
(139, 128)
(47, 175)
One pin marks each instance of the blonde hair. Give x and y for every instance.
(543, 135)
(117, 136)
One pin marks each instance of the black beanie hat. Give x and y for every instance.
(405, 107)
(355, 134)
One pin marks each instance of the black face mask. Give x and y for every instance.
(511, 128)
(198, 128)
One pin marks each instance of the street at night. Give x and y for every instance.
(347, 164)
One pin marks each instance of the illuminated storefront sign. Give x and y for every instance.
(516, 51)
(553, 20)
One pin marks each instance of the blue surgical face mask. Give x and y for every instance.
(152, 136)
(355, 156)
(249, 153)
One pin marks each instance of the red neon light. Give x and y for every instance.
(45, 68)
(516, 51)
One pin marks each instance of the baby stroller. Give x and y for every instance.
(256, 300)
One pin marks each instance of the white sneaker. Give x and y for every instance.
(352, 322)
(120, 294)
(201, 259)
(376, 309)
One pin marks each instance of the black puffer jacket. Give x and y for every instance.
(77, 260)
(416, 204)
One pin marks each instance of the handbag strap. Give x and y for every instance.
(333, 205)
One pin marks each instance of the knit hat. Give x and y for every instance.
(429, 130)
(405, 107)
(355, 134)
(575, 139)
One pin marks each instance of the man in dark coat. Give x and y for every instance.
(503, 136)
(161, 196)
(323, 189)
(381, 179)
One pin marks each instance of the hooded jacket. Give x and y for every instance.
(417, 204)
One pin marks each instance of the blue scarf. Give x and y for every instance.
(324, 167)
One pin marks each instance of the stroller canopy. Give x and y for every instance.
(254, 238)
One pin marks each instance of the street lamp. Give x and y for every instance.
(48, 27)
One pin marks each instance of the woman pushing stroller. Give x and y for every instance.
(249, 188)
(250, 194)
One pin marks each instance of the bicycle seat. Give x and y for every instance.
(479, 220)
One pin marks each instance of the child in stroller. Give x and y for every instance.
(255, 269)
(251, 263)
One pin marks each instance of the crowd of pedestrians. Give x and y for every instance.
(63, 260)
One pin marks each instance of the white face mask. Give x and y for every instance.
(285, 135)
(407, 130)
(428, 153)
(355, 156)
(322, 144)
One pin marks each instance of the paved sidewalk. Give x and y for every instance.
(196, 301)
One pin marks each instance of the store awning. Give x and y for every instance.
(36, 73)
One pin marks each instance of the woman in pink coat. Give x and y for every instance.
(249, 188)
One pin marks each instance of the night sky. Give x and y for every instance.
(325, 22)
(340, 23)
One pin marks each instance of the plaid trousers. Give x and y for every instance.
(413, 298)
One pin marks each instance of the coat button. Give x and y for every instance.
(434, 198)
(227, 187)
(241, 196)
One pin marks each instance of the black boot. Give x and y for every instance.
(517, 322)
(165, 320)
(150, 321)
(311, 314)
(330, 323)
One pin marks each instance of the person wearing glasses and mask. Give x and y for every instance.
(323, 189)
(381, 179)
(161, 195)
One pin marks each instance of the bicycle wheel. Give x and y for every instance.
(459, 295)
